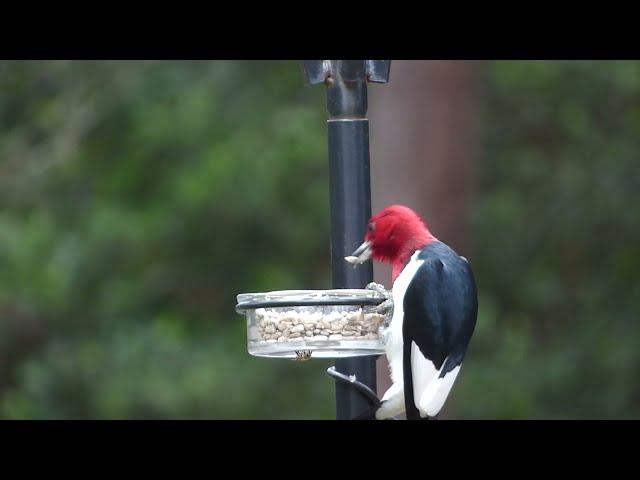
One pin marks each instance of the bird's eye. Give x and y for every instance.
(370, 227)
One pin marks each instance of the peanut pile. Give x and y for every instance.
(290, 325)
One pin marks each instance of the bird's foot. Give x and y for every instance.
(386, 307)
(377, 288)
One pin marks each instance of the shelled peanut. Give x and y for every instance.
(291, 325)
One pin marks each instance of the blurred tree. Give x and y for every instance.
(556, 244)
(138, 199)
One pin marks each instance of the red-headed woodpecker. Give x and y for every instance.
(434, 311)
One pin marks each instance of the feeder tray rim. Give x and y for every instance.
(335, 297)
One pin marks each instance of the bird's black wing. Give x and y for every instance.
(440, 309)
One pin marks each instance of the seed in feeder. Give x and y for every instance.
(314, 317)
(297, 327)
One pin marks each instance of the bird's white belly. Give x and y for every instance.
(393, 335)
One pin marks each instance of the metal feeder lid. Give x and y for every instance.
(305, 298)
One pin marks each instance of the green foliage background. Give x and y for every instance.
(138, 198)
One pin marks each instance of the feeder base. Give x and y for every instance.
(322, 349)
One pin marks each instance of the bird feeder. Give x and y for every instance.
(341, 323)
(301, 324)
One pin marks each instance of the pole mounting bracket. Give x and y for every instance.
(346, 82)
(317, 71)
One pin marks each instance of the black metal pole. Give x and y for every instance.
(350, 194)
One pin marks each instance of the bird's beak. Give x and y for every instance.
(361, 255)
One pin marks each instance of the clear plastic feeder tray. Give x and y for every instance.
(312, 323)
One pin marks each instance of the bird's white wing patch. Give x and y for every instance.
(434, 397)
(424, 372)
(429, 391)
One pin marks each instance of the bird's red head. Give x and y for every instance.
(393, 235)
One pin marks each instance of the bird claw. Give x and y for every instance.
(386, 307)
(377, 288)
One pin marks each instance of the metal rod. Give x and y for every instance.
(350, 195)
(369, 394)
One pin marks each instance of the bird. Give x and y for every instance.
(435, 306)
